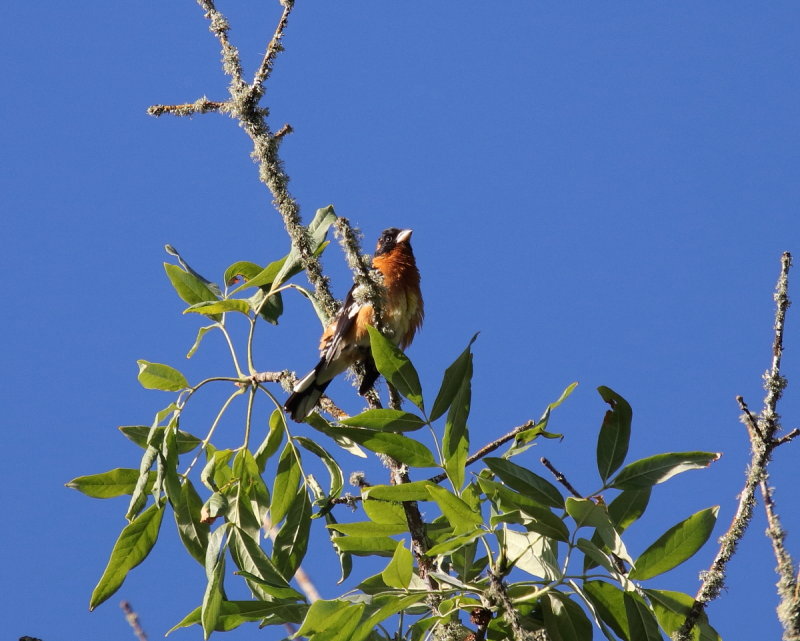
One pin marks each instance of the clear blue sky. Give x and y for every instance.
(602, 189)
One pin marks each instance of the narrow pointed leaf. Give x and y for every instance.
(189, 287)
(116, 482)
(676, 545)
(615, 433)
(220, 307)
(284, 490)
(452, 381)
(139, 434)
(525, 481)
(388, 420)
(335, 472)
(455, 443)
(215, 570)
(291, 542)
(132, 547)
(628, 507)
(193, 533)
(657, 469)
(366, 545)
(414, 491)
(250, 557)
(399, 447)
(395, 367)
(200, 334)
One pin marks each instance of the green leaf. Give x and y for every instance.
(414, 491)
(335, 472)
(271, 308)
(194, 534)
(671, 610)
(273, 440)
(369, 528)
(190, 287)
(398, 573)
(385, 512)
(200, 334)
(326, 615)
(220, 307)
(641, 620)
(609, 603)
(291, 542)
(265, 580)
(389, 605)
(615, 433)
(337, 434)
(597, 556)
(539, 518)
(139, 494)
(132, 547)
(387, 420)
(161, 377)
(460, 515)
(657, 469)
(453, 380)
(264, 278)
(588, 513)
(215, 570)
(284, 490)
(676, 545)
(233, 613)
(525, 481)
(531, 552)
(628, 507)
(317, 229)
(116, 482)
(366, 545)
(455, 443)
(395, 367)
(454, 543)
(399, 447)
(564, 619)
(244, 269)
(139, 434)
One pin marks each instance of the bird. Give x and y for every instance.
(345, 340)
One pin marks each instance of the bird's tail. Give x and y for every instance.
(306, 395)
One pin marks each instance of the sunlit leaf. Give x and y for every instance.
(676, 545)
(671, 610)
(399, 447)
(414, 491)
(455, 442)
(386, 420)
(460, 516)
(220, 307)
(132, 547)
(395, 367)
(139, 434)
(215, 571)
(564, 619)
(657, 469)
(233, 613)
(189, 287)
(366, 545)
(161, 377)
(398, 573)
(187, 507)
(116, 482)
(291, 542)
(452, 382)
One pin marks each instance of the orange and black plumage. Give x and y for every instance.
(345, 340)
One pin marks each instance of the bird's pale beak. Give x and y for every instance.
(404, 235)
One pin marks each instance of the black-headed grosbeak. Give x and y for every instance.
(345, 341)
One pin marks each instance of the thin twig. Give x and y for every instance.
(560, 478)
(133, 620)
(489, 448)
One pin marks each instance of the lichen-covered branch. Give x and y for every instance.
(762, 431)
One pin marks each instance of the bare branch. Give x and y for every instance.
(560, 478)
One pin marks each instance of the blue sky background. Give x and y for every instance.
(602, 190)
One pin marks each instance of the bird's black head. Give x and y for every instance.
(390, 238)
